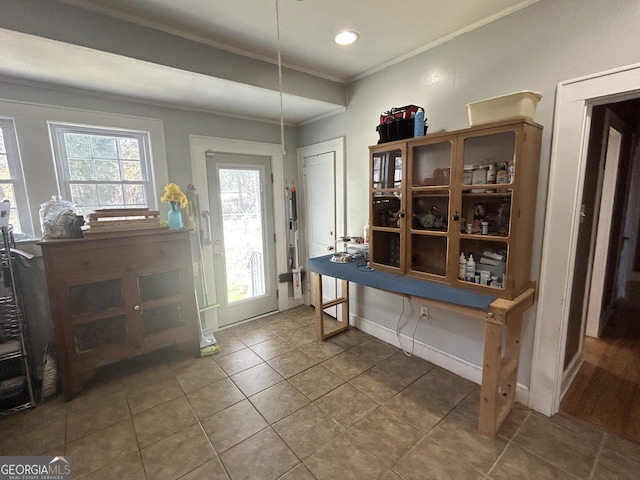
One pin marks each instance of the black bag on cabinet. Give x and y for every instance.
(397, 123)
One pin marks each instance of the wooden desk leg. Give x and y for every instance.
(320, 308)
(345, 305)
(317, 285)
(499, 373)
(490, 375)
(509, 366)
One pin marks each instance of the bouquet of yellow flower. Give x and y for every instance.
(172, 194)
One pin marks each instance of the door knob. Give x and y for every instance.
(331, 248)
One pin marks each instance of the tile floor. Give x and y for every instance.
(275, 403)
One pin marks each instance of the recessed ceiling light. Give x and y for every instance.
(346, 38)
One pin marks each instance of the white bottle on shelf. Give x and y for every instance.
(491, 176)
(470, 269)
(462, 265)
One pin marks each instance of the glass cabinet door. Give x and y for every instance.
(160, 295)
(487, 192)
(387, 208)
(97, 313)
(429, 206)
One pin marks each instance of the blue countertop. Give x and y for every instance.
(357, 272)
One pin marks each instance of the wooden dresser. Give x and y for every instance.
(116, 297)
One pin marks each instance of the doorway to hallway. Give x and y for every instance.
(603, 335)
(606, 391)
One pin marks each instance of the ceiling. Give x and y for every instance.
(301, 30)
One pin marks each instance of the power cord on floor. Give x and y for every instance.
(413, 336)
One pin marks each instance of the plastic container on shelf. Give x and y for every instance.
(468, 174)
(470, 269)
(479, 177)
(418, 123)
(505, 107)
(462, 266)
(57, 217)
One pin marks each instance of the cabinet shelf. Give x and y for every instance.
(487, 194)
(420, 224)
(10, 349)
(91, 317)
(480, 237)
(426, 231)
(16, 390)
(443, 190)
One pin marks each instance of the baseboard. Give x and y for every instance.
(451, 363)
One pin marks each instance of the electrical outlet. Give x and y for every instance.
(424, 311)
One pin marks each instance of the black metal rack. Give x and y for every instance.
(16, 390)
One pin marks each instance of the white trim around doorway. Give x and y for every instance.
(574, 101)
(199, 146)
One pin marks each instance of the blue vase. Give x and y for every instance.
(174, 216)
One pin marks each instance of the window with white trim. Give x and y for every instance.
(100, 167)
(12, 185)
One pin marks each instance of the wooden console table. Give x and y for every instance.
(503, 319)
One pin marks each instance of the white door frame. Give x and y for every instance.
(199, 145)
(337, 147)
(574, 101)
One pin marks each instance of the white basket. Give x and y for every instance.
(505, 107)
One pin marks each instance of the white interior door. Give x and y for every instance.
(242, 236)
(319, 177)
(630, 256)
(605, 196)
(322, 170)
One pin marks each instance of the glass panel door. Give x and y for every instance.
(242, 226)
(487, 196)
(97, 314)
(387, 210)
(430, 171)
(242, 234)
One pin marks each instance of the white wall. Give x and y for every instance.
(533, 49)
(31, 107)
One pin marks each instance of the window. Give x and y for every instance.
(12, 186)
(102, 168)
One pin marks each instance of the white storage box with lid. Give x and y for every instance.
(505, 107)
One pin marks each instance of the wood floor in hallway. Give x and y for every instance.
(606, 391)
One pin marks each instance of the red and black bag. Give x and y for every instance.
(396, 123)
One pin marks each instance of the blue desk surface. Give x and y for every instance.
(357, 272)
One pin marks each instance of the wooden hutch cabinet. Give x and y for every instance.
(470, 192)
(116, 297)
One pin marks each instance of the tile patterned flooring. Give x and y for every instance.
(277, 404)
